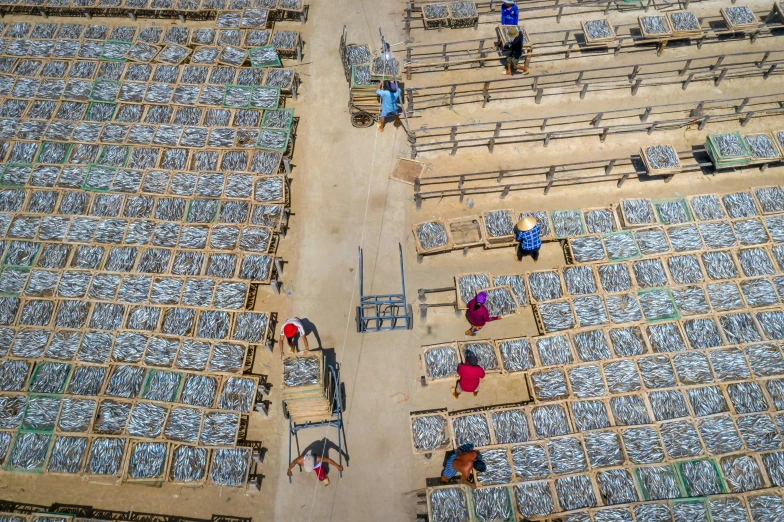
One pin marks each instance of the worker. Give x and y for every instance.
(477, 314)
(463, 461)
(515, 53)
(290, 330)
(314, 463)
(509, 13)
(470, 374)
(389, 94)
(527, 233)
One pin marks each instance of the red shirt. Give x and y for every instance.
(478, 317)
(469, 376)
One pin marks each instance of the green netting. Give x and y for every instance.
(149, 377)
(273, 139)
(15, 269)
(46, 145)
(96, 85)
(668, 292)
(27, 423)
(510, 507)
(721, 161)
(646, 495)
(114, 51)
(258, 61)
(189, 208)
(722, 484)
(355, 82)
(91, 106)
(96, 174)
(657, 203)
(37, 370)
(8, 168)
(268, 114)
(102, 156)
(32, 261)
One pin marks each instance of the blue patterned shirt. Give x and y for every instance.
(529, 239)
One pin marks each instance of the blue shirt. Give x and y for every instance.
(388, 101)
(529, 239)
(449, 471)
(509, 15)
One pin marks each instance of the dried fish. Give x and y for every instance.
(742, 473)
(183, 424)
(591, 345)
(188, 465)
(638, 211)
(728, 509)
(643, 445)
(772, 324)
(629, 410)
(719, 265)
(599, 221)
(567, 223)
(623, 308)
(659, 482)
(125, 381)
(67, 455)
(500, 301)
(615, 277)
(689, 512)
(556, 316)
(29, 451)
(76, 414)
(719, 435)
(471, 429)
(516, 354)
(649, 273)
(220, 429)
(750, 232)
(587, 248)
(766, 508)
(432, 235)
(579, 280)
(533, 499)
(517, 285)
(616, 487)
(549, 385)
(626, 341)
(673, 212)
(554, 350)
(657, 304)
(304, 370)
(238, 394)
(586, 381)
(622, 377)
(498, 468)
(771, 199)
(740, 15)
(774, 465)
(575, 492)
(549, 421)
(470, 284)
(655, 25)
(589, 310)
(449, 504)
(492, 504)
(544, 286)
(739, 328)
(680, 439)
(759, 432)
(41, 413)
(684, 238)
(739, 205)
(87, 380)
(146, 420)
(148, 460)
(566, 456)
(429, 432)
(590, 415)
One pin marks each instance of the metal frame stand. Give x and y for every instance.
(384, 312)
(335, 422)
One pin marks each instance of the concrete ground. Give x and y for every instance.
(342, 199)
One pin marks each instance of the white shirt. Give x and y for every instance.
(296, 322)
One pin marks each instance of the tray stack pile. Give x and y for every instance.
(598, 31)
(728, 149)
(436, 15)
(684, 24)
(739, 18)
(463, 14)
(655, 26)
(503, 35)
(763, 147)
(308, 398)
(660, 159)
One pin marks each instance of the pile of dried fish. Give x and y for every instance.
(659, 482)
(220, 429)
(575, 492)
(750, 232)
(485, 354)
(684, 21)
(772, 323)
(67, 455)
(680, 439)
(702, 333)
(545, 286)
(615, 278)
(440, 362)
(432, 235)
(771, 199)
(707, 207)
(692, 368)
(739, 205)
(148, 460)
(598, 30)
(761, 146)
(238, 394)
(302, 371)
(673, 212)
(229, 466)
(622, 376)
(429, 432)
(471, 284)
(357, 54)
(655, 25)
(499, 223)
(579, 280)
(566, 456)
(105, 456)
(492, 504)
(549, 421)
(719, 265)
(556, 316)
(599, 221)
(739, 328)
(516, 354)
(183, 424)
(719, 435)
(590, 415)
(510, 426)
(534, 499)
(603, 448)
(435, 11)
(650, 273)
(684, 238)
(471, 429)
(586, 249)
(567, 223)
(449, 505)
(740, 15)
(499, 469)
(549, 385)
(643, 445)
(530, 461)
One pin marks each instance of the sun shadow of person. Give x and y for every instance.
(310, 328)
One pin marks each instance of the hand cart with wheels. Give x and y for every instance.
(334, 390)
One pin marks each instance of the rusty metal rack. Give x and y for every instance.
(600, 123)
(563, 44)
(549, 176)
(714, 68)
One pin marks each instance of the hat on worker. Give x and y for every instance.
(481, 297)
(289, 330)
(309, 462)
(526, 224)
(512, 32)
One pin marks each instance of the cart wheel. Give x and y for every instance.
(362, 120)
(359, 319)
(342, 397)
(285, 410)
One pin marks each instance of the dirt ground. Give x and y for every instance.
(342, 199)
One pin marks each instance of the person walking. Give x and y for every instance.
(292, 330)
(389, 94)
(470, 374)
(509, 13)
(515, 53)
(527, 233)
(477, 314)
(315, 464)
(463, 461)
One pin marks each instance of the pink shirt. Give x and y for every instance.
(478, 317)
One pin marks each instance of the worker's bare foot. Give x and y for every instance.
(471, 333)
(380, 128)
(326, 482)
(505, 72)
(455, 394)
(397, 123)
